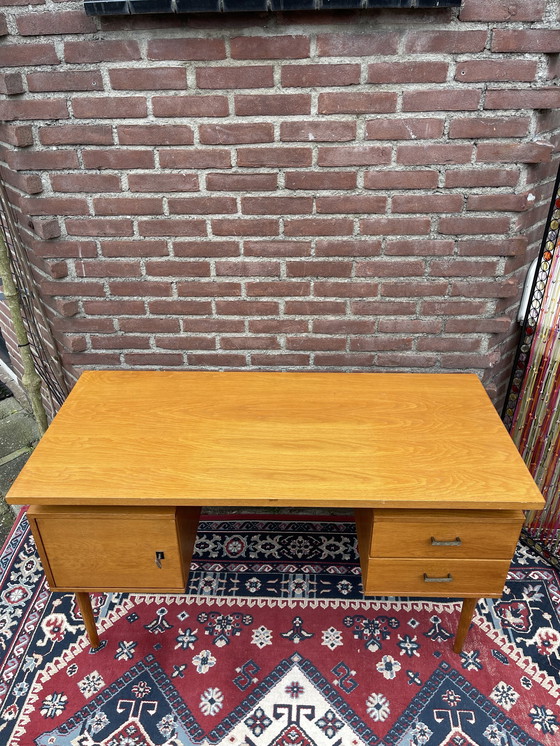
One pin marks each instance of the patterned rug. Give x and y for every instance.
(274, 645)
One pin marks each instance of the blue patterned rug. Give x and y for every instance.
(275, 645)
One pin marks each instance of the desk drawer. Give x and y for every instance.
(418, 577)
(105, 549)
(459, 534)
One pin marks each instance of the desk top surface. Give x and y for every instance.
(287, 439)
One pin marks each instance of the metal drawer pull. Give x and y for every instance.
(159, 557)
(455, 543)
(448, 579)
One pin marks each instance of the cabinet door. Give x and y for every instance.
(115, 549)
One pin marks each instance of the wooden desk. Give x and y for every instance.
(117, 482)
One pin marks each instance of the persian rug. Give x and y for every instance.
(274, 645)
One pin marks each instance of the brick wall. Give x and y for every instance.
(336, 191)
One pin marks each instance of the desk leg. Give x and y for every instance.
(469, 605)
(84, 602)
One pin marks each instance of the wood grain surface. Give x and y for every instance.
(286, 439)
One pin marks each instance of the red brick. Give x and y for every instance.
(46, 228)
(172, 227)
(381, 343)
(74, 343)
(185, 343)
(244, 227)
(104, 268)
(344, 326)
(181, 307)
(344, 102)
(218, 359)
(120, 342)
(76, 134)
(56, 22)
(233, 134)
(421, 155)
(275, 289)
(114, 308)
(343, 204)
(149, 325)
(503, 10)
(118, 159)
(278, 157)
(80, 289)
(269, 47)
(287, 359)
(352, 248)
(526, 40)
(530, 152)
(318, 227)
(390, 268)
(99, 227)
(543, 98)
(247, 307)
(200, 248)
(315, 343)
(11, 83)
(410, 326)
(481, 177)
(314, 307)
(166, 182)
(463, 268)
(395, 179)
(148, 78)
(103, 359)
(354, 155)
(475, 71)
(249, 343)
(20, 55)
(317, 180)
(154, 359)
(461, 41)
(55, 206)
(186, 49)
(316, 268)
(177, 268)
(419, 247)
(141, 288)
(64, 248)
(211, 289)
(435, 203)
(498, 202)
(276, 205)
(420, 289)
(246, 76)
(54, 160)
(485, 326)
(241, 182)
(332, 131)
(141, 248)
(66, 81)
(277, 326)
(480, 247)
(408, 72)
(277, 248)
(196, 158)
(127, 205)
(190, 106)
(404, 129)
(449, 307)
(19, 135)
(28, 183)
(101, 51)
(476, 128)
(395, 226)
(405, 360)
(307, 76)
(272, 104)
(473, 225)
(3, 25)
(202, 205)
(349, 359)
(154, 134)
(357, 45)
(54, 108)
(213, 325)
(105, 107)
(441, 100)
(383, 308)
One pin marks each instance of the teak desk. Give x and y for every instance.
(117, 482)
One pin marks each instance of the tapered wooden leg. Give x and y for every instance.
(84, 602)
(469, 605)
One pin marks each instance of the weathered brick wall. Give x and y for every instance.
(349, 191)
